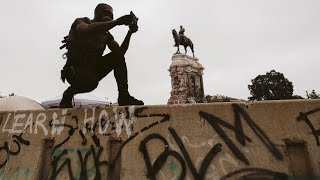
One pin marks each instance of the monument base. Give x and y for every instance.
(186, 80)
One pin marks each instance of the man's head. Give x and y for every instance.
(103, 12)
(181, 26)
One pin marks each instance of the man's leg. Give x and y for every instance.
(116, 62)
(66, 101)
(83, 81)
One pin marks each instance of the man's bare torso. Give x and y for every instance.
(88, 42)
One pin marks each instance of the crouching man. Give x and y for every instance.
(86, 65)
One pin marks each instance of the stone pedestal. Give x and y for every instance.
(186, 80)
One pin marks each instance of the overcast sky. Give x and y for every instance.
(235, 40)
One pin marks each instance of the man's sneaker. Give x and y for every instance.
(129, 100)
(66, 102)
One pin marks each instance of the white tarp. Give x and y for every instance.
(18, 103)
(80, 100)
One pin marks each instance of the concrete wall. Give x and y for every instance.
(202, 141)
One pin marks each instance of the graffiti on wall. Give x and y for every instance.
(16, 173)
(153, 169)
(305, 116)
(217, 125)
(13, 150)
(87, 159)
(124, 120)
(102, 124)
(237, 128)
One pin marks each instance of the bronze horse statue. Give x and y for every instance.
(185, 42)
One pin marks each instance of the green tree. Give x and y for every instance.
(208, 98)
(218, 98)
(12, 94)
(271, 86)
(313, 95)
(297, 97)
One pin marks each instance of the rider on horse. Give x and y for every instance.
(181, 39)
(181, 34)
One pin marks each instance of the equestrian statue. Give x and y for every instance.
(181, 39)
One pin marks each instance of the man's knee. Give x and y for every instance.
(118, 54)
(84, 86)
(90, 86)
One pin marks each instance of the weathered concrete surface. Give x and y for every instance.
(200, 141)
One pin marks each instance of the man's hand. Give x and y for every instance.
(124, 20)
(133, 28)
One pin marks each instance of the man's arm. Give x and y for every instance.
(114, 46)
(84, 27)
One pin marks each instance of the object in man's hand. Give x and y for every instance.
(134, 23)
